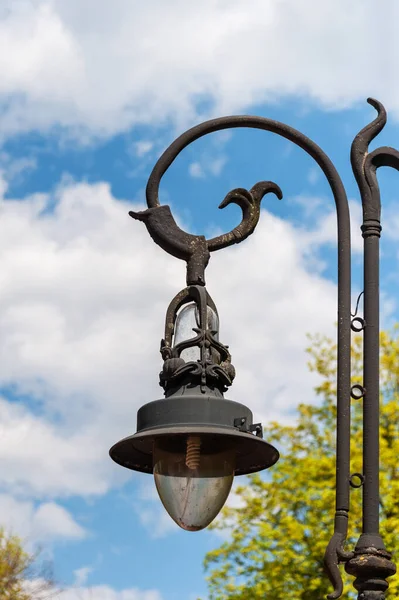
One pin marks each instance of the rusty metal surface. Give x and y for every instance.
(195, 249)
(371, 567)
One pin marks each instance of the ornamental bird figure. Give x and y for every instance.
(195, 249)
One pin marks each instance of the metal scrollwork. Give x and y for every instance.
(335, 554)
(365, 165)
(195, 249)
(214, 365)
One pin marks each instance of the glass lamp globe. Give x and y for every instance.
(192, 485)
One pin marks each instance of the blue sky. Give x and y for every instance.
(90, 95)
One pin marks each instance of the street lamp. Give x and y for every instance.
(194, 440)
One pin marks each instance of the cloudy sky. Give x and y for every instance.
(91, 92)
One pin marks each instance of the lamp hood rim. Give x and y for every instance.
(253, 453)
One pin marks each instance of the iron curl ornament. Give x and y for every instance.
(212, 372)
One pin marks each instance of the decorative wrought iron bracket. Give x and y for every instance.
(195, 249)
(370, 562)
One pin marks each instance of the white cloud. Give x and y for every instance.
(14, 169)
(78, 335)
(39, 458)
(391, 222)
(82, 575)
(313, 176)
(52, 520)
(35, 524)
(207, 166)
(142, 147)
(98, 592)
(103, 592)
(217, 164)
(195, 170)
(150, 511)
(98, 68)
(325, 223)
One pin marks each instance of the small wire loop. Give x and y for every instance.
(356, 480)
(357, 391)
(358, 324)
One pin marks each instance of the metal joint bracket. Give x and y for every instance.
(241, 424)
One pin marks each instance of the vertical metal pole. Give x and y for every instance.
(335, 551)
(371, 564)
(371, 381)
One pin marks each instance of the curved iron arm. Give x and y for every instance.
(196, 251)
(365, 165)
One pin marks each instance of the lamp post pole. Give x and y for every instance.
(197, 438)
(371, 563)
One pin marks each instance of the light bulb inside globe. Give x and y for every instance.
(192, 483)
(187, 322)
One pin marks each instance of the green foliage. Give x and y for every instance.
(17, 566)
(278, 534)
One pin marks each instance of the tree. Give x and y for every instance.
(278, 534)
(20, 576)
